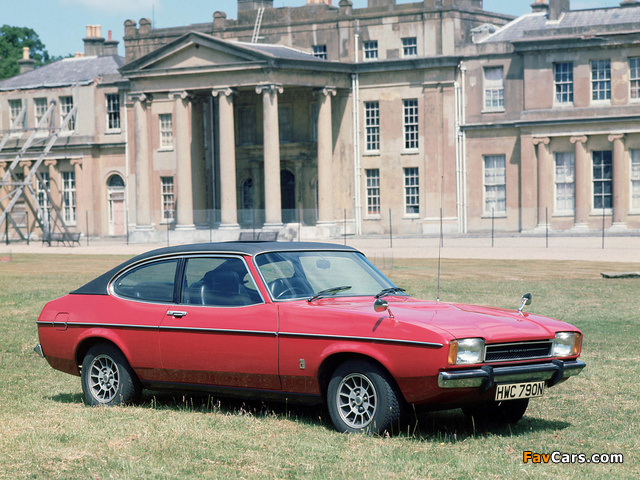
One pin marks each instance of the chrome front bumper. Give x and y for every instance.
(38, 350)
(487, 376)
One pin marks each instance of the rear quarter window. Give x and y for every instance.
(153, 282)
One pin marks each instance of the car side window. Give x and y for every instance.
(152, 282)
(218, 282)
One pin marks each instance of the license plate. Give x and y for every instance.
(513, 391)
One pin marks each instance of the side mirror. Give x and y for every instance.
(526, 300)
(380, 305)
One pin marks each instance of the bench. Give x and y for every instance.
(258, 237)
(64, 237)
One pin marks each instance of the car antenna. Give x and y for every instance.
(440, 239)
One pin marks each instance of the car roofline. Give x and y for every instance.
(99, 285)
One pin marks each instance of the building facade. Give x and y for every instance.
(324, 119)
(85, 170)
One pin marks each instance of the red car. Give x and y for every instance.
(309, 322)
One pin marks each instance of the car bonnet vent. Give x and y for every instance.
(518, 351)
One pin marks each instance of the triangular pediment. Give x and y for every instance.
(194, 51)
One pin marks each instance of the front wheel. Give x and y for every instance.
(361, 398)
(107, 378)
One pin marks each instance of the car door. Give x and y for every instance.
(222, 332)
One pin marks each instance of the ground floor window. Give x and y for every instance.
(565, 182)
(373, 191)
(168, 199)
(602, 179)
(411, 191)
(635, 179)
(42, 186)
(495, 184)
(69, 197)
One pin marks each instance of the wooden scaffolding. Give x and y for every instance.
(17, 188)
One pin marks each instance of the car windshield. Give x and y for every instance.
(296, 275)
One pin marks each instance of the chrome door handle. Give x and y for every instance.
(176, 314)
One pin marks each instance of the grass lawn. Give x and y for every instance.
(46, 431)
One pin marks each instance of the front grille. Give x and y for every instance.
(506, 352)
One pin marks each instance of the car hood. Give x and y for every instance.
(495, 325)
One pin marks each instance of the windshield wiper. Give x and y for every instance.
(389, 291)
(328, 291)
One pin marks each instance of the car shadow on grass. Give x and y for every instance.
(445, 425)
(67, 398)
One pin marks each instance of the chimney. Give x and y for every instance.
(219, 20)
(557, 8)
(93, 42)
(110, 46)
(539, 6)
(246, 5)
(26, 63)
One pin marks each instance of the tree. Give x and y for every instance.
(12, 40)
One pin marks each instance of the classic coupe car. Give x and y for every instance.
(309, 322)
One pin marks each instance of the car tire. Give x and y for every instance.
(362, 398)
(509, 412)
(107, 377)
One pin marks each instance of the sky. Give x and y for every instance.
(61, 24)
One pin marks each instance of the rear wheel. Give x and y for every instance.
(107, 377)
(361, 398)
(498, 412)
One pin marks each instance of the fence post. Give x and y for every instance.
(390, 231)
(6, 228)
(546, 226)
(28, 234)
(603, 213)
(492, 224)
(345, 226)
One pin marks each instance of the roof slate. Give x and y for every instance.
(574, 21)
(66, 72)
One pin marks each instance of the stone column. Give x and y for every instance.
(620, 183)
(184, 193)
(228, 190)
(545, 182)
(272, 193)
(325, 157)
(142, 161)
(76, 163)
(55, 194)
(582, 179)
(198, 165)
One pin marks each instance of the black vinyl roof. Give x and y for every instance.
(99, 285)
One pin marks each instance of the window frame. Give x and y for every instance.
(563, 84)
(634, 178)
(370, 50)
(66, 106)
(606, 155)
(112, 111)
(167, 199)
(165, 130)
(601, 84)
(493, 90)
(43, 200)
(409, 47)
(410, 125)
(320, 51)
(372, 185)
(494, 199)
(372, 126)
(39, 110)
(568, 177)
(69, 197)
(634, 79)
(411, 191)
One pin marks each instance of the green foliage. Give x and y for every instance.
(12, 40)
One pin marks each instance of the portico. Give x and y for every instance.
(236, 143)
